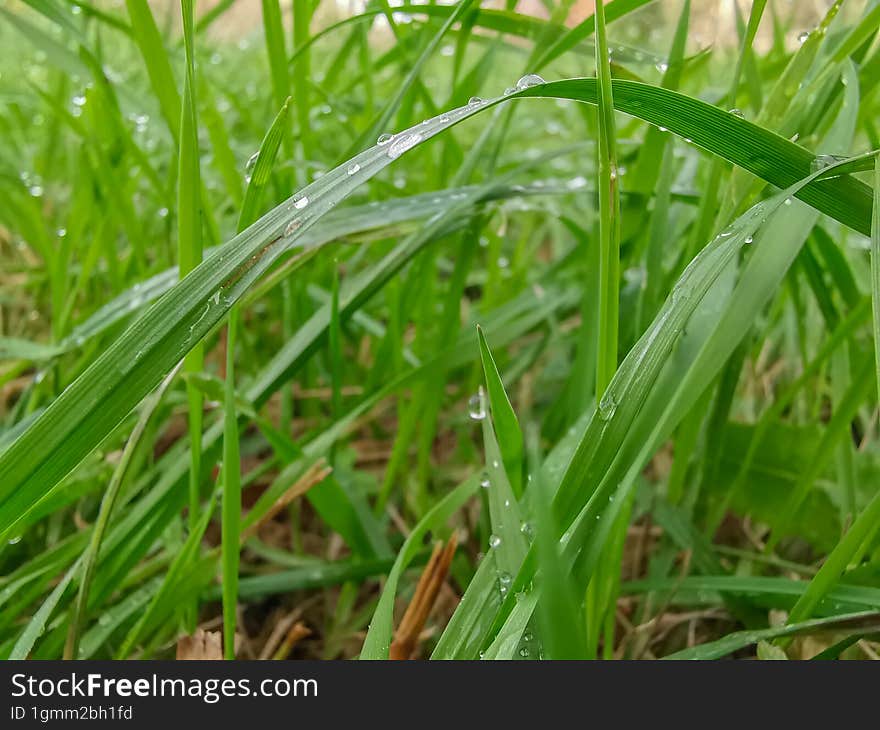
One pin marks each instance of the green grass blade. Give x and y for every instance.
(865, 526)
(152, 48)
(864, 622)
(510, 439)
(189, 243)
(875, 270)
(378, 641)
(90, 556)
(609, 215)
(508, 542)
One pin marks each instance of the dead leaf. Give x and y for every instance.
(201, 645)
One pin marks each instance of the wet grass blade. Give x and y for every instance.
(766, 154)
(510, 439)
(189, 242)
(609, 214)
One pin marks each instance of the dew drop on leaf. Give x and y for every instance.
(528, 81)
(250, 165)
(476, 406)
(607, 407)
(403, 143)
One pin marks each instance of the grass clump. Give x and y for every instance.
(286, 300)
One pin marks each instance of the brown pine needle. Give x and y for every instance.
(406, 637)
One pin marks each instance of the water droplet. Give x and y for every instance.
(15, 540)
(163, 212)
(662, 67)
(802, 37)
(576, 183)
(301, 203)
(504, 578)
(384, 139)
(524, 652)
(526, 529)
(528, 81)
(663, 129)
(249, 165)
(476, 406)
(749, 239)
(485, 482)
(788, 201)
(503, 262)
(607, 406)
(447, 50)
(403, 143)
(353, 168)
(738, 113)
(823, 161)
(494, 541)
(475, 101)
(78, 100)
(36, 190)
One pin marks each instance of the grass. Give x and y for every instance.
(282, 305)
